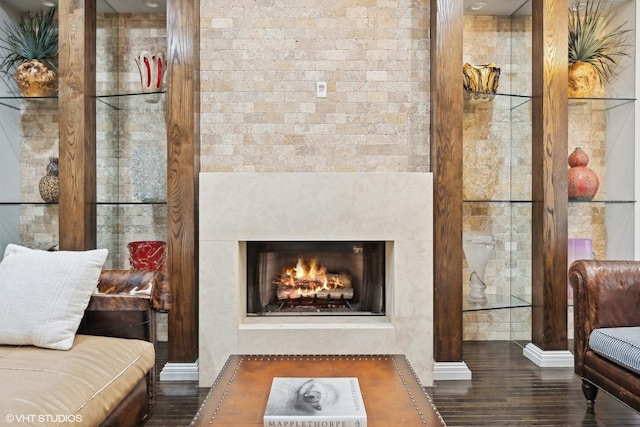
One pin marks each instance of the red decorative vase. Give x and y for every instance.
(147, 255)
(152, 69)
(583, 182)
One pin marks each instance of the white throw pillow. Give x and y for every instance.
(43, 295)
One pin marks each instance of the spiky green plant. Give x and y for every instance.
(34, 36)
(594, 37)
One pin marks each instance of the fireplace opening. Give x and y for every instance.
(315, 278)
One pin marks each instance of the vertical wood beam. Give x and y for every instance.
(77, 124)
(446, 165)
(183, 166)
(549, 174)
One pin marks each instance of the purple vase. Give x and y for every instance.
(581, 248)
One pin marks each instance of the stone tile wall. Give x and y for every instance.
(260, 63)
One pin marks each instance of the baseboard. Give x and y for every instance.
(451, 371)
(548, 359)
(180, 371)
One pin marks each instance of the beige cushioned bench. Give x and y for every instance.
(81, 386)
(76, 341)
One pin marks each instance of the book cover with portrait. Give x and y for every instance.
(315, 402)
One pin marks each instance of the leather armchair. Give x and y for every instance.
(606, 294)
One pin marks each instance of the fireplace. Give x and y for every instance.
(243, 217)
(315, 278)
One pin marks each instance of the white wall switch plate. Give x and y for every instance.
(321, 89)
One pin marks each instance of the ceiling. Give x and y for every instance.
(493, 7)
(509, 7)
(498, 7)
(103, 6)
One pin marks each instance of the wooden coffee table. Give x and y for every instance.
(391, 392)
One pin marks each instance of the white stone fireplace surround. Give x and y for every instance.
(392, 207)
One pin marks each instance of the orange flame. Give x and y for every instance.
(310, 275)
(311, 279)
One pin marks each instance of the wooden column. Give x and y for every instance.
(549, 175)
(183, 166)
(446, 165)
(77, 124)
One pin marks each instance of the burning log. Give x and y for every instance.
(293, 292)
(330, 281)
(312, 280)
(345, 293)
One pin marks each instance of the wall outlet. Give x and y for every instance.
(321, 89)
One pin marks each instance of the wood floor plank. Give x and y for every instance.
(507, 389)
(176, 401)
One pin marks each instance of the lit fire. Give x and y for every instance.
(311, 279)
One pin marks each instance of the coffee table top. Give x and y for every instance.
(391, 392)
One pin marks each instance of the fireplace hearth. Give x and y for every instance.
(315, 278)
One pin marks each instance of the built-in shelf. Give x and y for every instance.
(599, 104)
(531, 201)
(497, 302)
(135, 203)
(19, 103)
(495, 100)
(125, 101)
(510, 101)
(27, 204)
(133, 101)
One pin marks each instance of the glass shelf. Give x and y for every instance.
(134, 101)
(599, 104)
(27, 204)
(126, 101)
(132, 203)
(606, 202)
(501, 302)
(511, 101)
(496, 201)
(496, 302)
(19, 103)
(495, 100)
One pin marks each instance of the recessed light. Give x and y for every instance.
(477, 6)
(152, 4)
(48, 4)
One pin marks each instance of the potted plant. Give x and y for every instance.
(31, 48)
(596, 44)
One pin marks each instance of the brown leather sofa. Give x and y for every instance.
(108, 377)
(606, 295)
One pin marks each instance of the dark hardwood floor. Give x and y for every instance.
(507, 390)
(176, 401)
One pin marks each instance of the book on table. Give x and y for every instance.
(315, 402)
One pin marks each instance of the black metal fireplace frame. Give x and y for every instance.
(371, 303)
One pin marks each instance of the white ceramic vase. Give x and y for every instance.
(478, 248)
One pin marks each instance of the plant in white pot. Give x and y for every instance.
(596, 45)
(30, 47)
